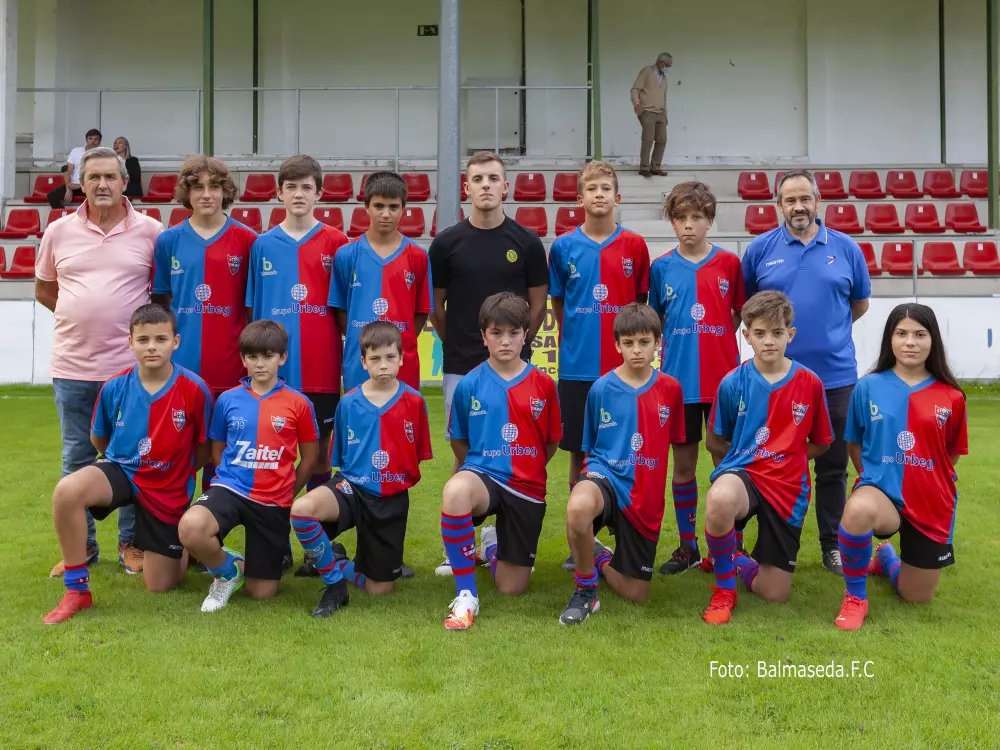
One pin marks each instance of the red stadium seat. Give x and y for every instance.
(161, 189)
(530, 186)
(21, 224)
(568, 218)
(249, 217)
(361, 189)
(761, 218)
(777, 181)
(278, 214)
(152, 213)
(881, 218)
(897, 259)
(941, 259)
(22, 265)
(412, 222)
(434, 218)
(844, 218)
(753, 186)
(337, 188)
(564, 187)
(360, 221)
(869, 253)
(260, 187)
(179, 215)
(418, 187)
(902, 184)
(963, 217)
(3, 260)
(940, 183)
(831, 186)
(974, 183)
(981, 258)
(332, 217)
(44, 184)
(866, 185)
(534, 218)
(923, 218)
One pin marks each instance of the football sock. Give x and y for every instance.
(586, 581)
(686, 511)
(856, 554)
(318, 480)
(491, 558)
(228, 569)
(747, 569)
(207, 475)
(722, 549)
(316, 544)
(602, 559)
(346, 570)
(890, 564)
(76, 577)
(459, 538)
(739, 538)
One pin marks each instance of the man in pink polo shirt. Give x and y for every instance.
(93, 270)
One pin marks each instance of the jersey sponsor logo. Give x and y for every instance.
(635, 457)
(509, 433)
(235, 261)
(760, 437)
(627, 267)
(776, 262)
(723, 286)
(409, 278)
(380, 459)
(277, 423)
(299, 292)
(537, 404)
(380, 306)
(600, 292)
(664, 412)
(668, 290)
(237, 423)
(873, 411)
(351, 440)
(905, 440)
(261, 457)
(573, 273)
(119, 422)
(266, 267)
(636, 442)
(202, 293)
(798, 412)
(179, 418)
(327, 261)
(758, 450)
(408, 431)
(941, 414)
(175, 266)
(345, 487)
(606, 420)
(741, 410)
(697, 311)
(512, 255)
(354, 279)
(475, 408)
(145, 446)
(698, 314)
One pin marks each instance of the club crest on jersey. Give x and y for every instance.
(537, 404)
(327, 261)
(277, 423)
(409, 278)
(234, 263)
(345, 487)
(627, 266)
(664, 412)
(942, 415)
(408, 431)
(179, 418)
(723, 286)
(798, 412)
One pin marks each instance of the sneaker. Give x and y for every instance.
(832, 561)
(71, 603)
(444, 568)
(93, 557)
(644, 172)
(852, 613)
(720, 608)
(684, 558)
(334, 597)
(464, 609)
(130, 557)
(569, 563)
(657, 172)
(581, 605)
(875, 566)
(487, 538)
(221, 589)
(287, 561)
(406, 572)
(308, 569)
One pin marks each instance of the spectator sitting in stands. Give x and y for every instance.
(71, 189)
(133, 188)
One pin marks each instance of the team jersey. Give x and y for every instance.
(290, 282)
(696, 302)
(379, 448)
(627, 434)
(768, 425)
(154, 437)
(594, 280)
(907, 435)
(262, 436)
(207, 281)
(369, 287)
(508, 425)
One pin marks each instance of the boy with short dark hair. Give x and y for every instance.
(697, 289)
(150, 426)
(505, 426)
(380, 436)
(768, 421)
(258, 429)
(634, 413)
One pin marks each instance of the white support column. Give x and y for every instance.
(8, 97)
(46, 62)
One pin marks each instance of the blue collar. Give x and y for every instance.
(821, 238)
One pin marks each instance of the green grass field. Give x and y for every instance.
(143, 670)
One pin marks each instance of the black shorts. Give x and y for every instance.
(695, 416)
(325, 406)
(266, 528)
(518, 521)
(572, 407)
(919, 550)
(635, 554)
(777, 541)
(381, 525)
(151, 534)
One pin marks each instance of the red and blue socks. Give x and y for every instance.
(76, 578)
(602, 559)
(346, 570)
(318, 480)
(722, 548)
(207, 475)
(316, 544)
(746, 568)
(228, 570)
(686, 511)
(890, 562)
(585, 581)
(491, 558)
(459, 537)
(855, 555)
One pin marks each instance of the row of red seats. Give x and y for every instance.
(22, 263)
(880, 218)
(940, 258)
(866, 185)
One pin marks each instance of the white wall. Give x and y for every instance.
(965, 80)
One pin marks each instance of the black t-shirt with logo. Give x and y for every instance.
(471, 264)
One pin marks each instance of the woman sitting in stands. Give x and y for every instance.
(134, 187)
